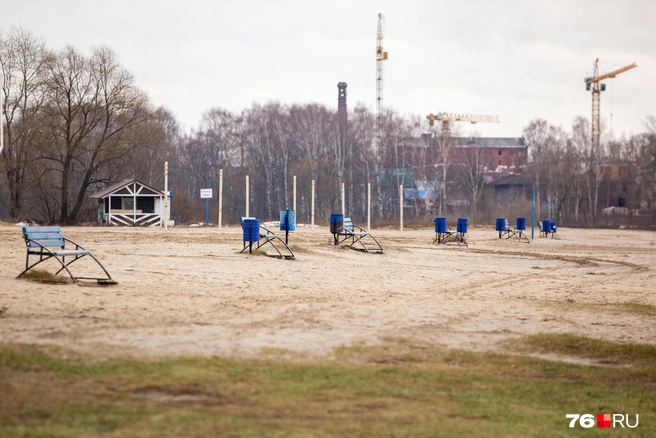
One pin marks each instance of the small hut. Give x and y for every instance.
(131, 203)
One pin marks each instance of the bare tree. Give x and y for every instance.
(23, 58)
(361, 131)
(591, 163)
(472, 173)
(159, 138)
(650, 124)
(536, 136)
(94, 110)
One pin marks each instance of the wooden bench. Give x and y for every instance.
(48, 242)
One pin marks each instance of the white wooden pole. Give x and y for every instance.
(220, 196)
(134, 204)
(294, 192)
(312, 205)
(247, 197)
(166, 195)
(343, 203)
(368, 206)
(401, 206)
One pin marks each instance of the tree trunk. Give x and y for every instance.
(63, 216)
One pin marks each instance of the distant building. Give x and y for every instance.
(130, 203)
(497, 159)
(511, 187)
(501, 155)
(496, 154)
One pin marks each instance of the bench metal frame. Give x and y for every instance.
(268, 237)
(515, 232)
(519, 234)
(356, 234)
(507, 232)
(451, 236)
(48, 242)
(547, 233)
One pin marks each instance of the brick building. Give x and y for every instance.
(495, 154)
(504, 155)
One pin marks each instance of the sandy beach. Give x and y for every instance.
(189, 291)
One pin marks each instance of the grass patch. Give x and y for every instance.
(610, 308)
(604, 352)
(399, 388)
(45, 277)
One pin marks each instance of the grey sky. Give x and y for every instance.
(517, 59)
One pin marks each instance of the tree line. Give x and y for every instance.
(579, 185)
(74, 123)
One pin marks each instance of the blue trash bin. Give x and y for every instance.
(251, 230)
(462, 225)
(440, 225)
(546, 226)
(501, 224)
(521, 224)
(336, 223)
(287, 220)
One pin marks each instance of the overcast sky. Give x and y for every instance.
(517, 59)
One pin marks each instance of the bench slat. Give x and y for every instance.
(61, 252)
(348, 224)
(53, 229)
(43, 236)
(70, 252)
(46, 243)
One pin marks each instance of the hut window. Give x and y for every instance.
(115, 202)
(146, 204)
(128, 203)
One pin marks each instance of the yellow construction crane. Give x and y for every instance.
(447, 118)
(593, 82)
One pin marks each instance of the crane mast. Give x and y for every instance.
(381, 56)
(594, 83)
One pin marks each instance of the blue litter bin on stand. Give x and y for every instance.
(287, 222)
(251, 232)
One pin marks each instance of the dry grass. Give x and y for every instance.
(609, 308)
(603, 352)
(45, 277)
(399, 388)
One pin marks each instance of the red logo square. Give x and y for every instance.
(603, 420)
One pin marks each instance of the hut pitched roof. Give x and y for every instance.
(118, 186)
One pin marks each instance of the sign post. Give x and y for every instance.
(166, 195)
(533, 214)
(220, 196)
(401, 207)
(206, 194)
(294, 193)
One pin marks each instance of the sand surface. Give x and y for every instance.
(190, 291)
